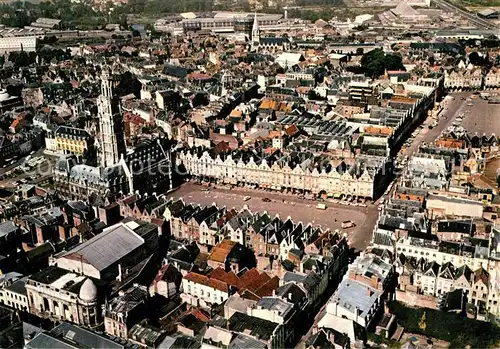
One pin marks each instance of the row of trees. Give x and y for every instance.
(74, 15)
(162, 6)
(318, 2)
(45, 55)
(82, 15)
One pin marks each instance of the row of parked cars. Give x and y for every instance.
(28, 165)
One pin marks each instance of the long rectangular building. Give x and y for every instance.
(18, 43)
(362, 178)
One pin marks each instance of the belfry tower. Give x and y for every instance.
(110, 124)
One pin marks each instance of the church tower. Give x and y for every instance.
(255, 33)
(110, 124)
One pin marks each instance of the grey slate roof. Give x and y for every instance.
(382, 239)
(275, 304)
(244, 323)
(146, 334)
(179, 342)
(242, 341)
(30, 331)
(18, 286)
(7, 228)
(46, 341)
(293, 277)
(352, 294)
(107, 248)
(68, 336)
(71, 132)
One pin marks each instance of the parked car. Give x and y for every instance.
(348, 224)
(266, 200)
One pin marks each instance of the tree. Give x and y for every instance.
(200, 99)
(376, 62)
(314, 96)
(432, 61)
(22, 58)
(127, 84)
(479, 60)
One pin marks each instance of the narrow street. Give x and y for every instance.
(446, 118)
(425, 135)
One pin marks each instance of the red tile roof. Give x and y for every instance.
(220, 252)
(129, 200)
(291, 130)
(217, 273)
(203, 280)
(251, 284)
(230, 278)
(230, 214)
(249, 277)
(268, 288)
(158, 221)
(199, 315)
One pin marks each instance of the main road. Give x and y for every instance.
(480, 22)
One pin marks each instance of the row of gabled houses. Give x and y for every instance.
(266, 235)
(360, 177)
(434, 279)
(463, 79)
(471, 79)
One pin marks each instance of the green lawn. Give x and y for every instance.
(381, 341)
(454, 328)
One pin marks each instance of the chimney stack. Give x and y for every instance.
(119, 277)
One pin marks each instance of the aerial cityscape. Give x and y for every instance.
(265, 174)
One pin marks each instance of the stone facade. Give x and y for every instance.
(358, 180)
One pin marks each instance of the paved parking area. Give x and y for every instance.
(481, 117)
(288, 206)
(41, 171)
